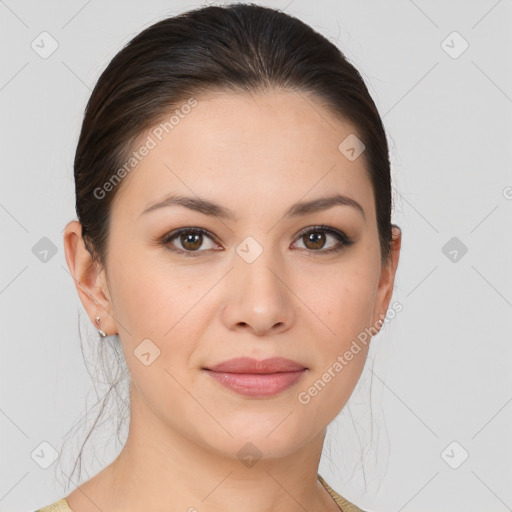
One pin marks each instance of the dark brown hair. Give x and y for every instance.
(243, 48)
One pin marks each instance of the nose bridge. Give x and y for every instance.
(258, 265)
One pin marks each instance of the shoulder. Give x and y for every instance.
(344, 504)
(58, 506)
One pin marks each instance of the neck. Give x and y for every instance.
(162, 469)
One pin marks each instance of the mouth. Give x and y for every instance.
(257, 379)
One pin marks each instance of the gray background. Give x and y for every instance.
(441, 368)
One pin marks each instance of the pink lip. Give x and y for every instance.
(254, 378)
(249, 365)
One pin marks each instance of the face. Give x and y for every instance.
(190, 285)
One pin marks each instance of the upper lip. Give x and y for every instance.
(250, 365)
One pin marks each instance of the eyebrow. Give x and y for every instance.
(212, 209)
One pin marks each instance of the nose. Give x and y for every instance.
(257, 296)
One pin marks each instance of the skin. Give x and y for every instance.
(256, 155)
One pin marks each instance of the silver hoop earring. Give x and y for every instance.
(103, 334)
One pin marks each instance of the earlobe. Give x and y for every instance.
(88, 277)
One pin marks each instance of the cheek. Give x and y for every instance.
(153, 307)
(350, 306)
(349, 313)
(160, 303)
(342, 299)
(150, 296)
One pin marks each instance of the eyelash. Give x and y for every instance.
(343, 239)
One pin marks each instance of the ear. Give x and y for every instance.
(387, 279)
(89, 277)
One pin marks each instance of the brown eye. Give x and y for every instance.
(316, 238)
(191, 241)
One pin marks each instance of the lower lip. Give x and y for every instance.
(257, 384)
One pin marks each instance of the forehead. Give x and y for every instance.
(241, 147)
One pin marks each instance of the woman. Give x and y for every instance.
(234, 230)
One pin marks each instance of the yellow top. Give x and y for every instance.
(343, 504)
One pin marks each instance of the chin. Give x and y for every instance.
(258, 435)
